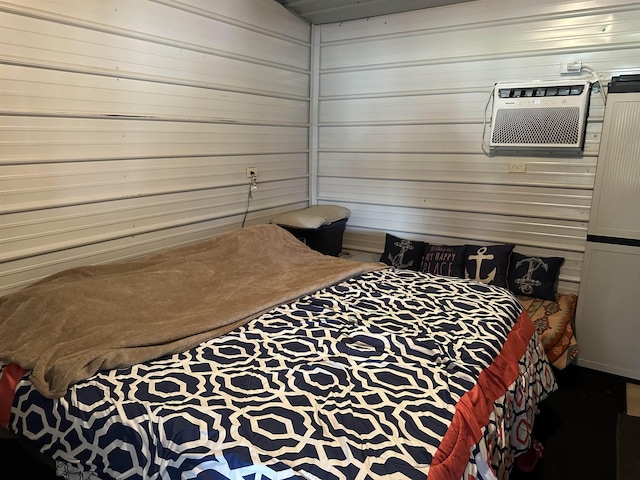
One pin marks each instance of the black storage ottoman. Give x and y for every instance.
(320, 227)
(325, 239)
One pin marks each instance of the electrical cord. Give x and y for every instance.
(246, 208)
(595, 75)
(485, 147)
(253, 185)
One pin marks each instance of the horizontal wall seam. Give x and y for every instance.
(88, 241)
(93, 242)
(410, 151)
(523, 183)
(488, 89)
(569, 278)
(567, 51)
(392, 123)
(112, 198)
(131, 246)
(7, 161)
(59, 67)
(474, 211)
(497, 162)
(85, 225)
(428, 173)
(230, 21)
(152, 118)
(515, 20)
(573, 231)
(485, 239)
(537, 197)
(101, 251)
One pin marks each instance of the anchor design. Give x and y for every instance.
(527, 282)
(397, 259)
(479, 258)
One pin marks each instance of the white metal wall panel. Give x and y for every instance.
(486, 41)
(29, 187)
(32, 139)
(120, 32)
(17, 273)
(550, 203)
(86, 95)
(120, 54)
(460, 168)
(22, 232)
(469, 227)
(444, 138)
(127, 127)
(402, 112)
(481, 13)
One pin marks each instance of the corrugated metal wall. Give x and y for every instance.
(127, 126)
(401, 104)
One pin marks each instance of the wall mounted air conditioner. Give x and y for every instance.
(543, 117)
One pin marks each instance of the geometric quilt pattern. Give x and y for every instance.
(356, 381)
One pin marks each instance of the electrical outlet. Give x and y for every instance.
(252, 172)
(570, 66)
(517, 167)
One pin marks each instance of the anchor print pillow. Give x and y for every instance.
(447, 260)
(534, 276)
(488, 263)
(403, 253)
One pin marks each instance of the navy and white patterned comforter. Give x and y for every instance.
(357, 381)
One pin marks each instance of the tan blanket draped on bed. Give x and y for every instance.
(72, 324)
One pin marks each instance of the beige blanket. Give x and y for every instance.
(72, 324)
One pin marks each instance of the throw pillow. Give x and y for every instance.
(403, 253)
(445, 260)
(488, 264)
(534, 276)
(312, 217)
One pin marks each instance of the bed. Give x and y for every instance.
(250, 356)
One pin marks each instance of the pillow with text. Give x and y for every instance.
(445, 260)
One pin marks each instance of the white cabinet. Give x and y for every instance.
(608, 312)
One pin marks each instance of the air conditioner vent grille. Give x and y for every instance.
(549, 125)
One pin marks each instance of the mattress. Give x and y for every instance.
(390, 374)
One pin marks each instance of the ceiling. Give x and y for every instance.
(331, 11)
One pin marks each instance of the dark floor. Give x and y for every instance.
(577, 426)
(18, 463)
